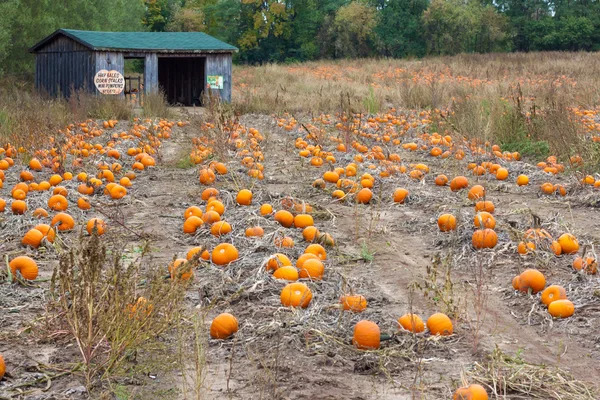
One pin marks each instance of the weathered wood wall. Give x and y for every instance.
(220, 64)
(63, 66)
(151, 73)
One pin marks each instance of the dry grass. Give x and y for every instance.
(429, 83)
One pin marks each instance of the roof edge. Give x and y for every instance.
(61, 31)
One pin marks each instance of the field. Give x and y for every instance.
(464, 186)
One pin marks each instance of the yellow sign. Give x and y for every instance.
(109, 82)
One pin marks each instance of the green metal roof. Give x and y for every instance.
(143, 41)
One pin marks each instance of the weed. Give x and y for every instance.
(98, 299)
(366, 254)
(371, 104)
(155, 105)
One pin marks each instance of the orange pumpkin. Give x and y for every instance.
(286, 273)
(96, 224)
(364, 195)
(440, 324)
(476, 192)
(355, 303)
(522, 180)
(223, 326)
(471, 392)
(220, 228)
(25, 265)
(313, 269)
(412, 323)
(191, 224)
(63, 222)
(58, 203)
(285, 218)
(266, 209)
(244, 197)
(296, 295)
(446, 222)
(366, 335)
(532, 279)
(317, 250)
(553, 293)
(587, 264)
(561, 308)
(224, 254)
(400, 195)
(174, 266)
(302, 221)
(484, 219)
(459, 183)
(310, 233)
(32, 238)
(568, 243)
(484, 239)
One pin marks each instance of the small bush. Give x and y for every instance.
(155, 105)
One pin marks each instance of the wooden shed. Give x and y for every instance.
(182, 64)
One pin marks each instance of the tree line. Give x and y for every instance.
(303, 30)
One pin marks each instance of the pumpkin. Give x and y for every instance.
(302, 221)
(192, 210)
(191, 224)
(210, 217)
(484, 239)
(412, 323)
(277, 260)
(305, 257)
(117, 192)
(501, 174)
(208, 193)
(63, 222)
(2, 367)
(283, 241)
(58, 203)
(553, 293)
(18, 207)
(364, 195)
(285, 218)
(486, 206)
(223, 326)
(400, 195)
(561, 308)
(174, 266)
(32, 238)
(568, 243)
(312, 268)
(476, 192)
(524, 248)
(25, 265)
(266, 209)
(484, 219)
(522, 180)
(244, 197)
(471, 392)
(355, 303)
(331, 176)
(47, 231)
(587, 264)
(310, 233)
(3, 205)
(96, 224)
(459, 183)
(286, 273)
(224, 254)
(547, 188)
(446, 222)
(38, 212)
(295, 295)
(220, 228)
(255, 231)
(207, 176)
(440, 324)
(317, 250)
(441, 180)
(532, 279)
(366, 335)
(205, 255)
(35, 164)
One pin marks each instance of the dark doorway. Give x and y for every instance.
(182, 79)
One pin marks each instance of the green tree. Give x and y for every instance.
(453, 26)
(353, 30)
(399, 28)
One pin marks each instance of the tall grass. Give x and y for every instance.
(429, 83)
